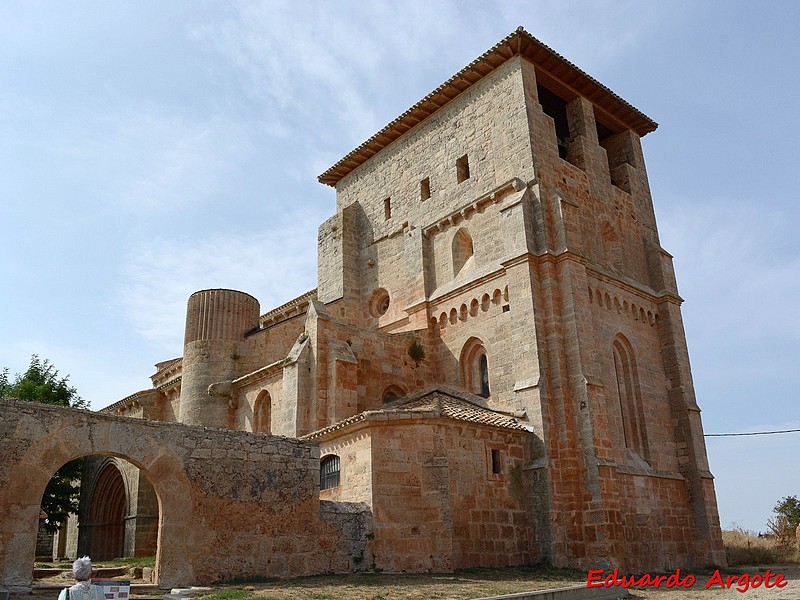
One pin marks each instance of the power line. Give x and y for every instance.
(751, 433)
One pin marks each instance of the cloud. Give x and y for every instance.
(734, 269)
(176, 160)
(274, 265)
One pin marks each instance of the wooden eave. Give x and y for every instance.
(552, 70)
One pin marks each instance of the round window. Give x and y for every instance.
(379, 303)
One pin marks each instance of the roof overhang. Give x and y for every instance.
(552, 70)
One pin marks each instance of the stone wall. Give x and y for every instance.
(487, 125)
(438, 503)
(234, 504)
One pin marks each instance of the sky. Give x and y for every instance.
(152, 149)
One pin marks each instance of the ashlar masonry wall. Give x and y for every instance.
(439, 501)
(626, 438)
(232, 504)
(385, 248)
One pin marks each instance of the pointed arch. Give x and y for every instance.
(474, 364)
(262, 413)
(107, 514)
(630, 397)
(463, 250)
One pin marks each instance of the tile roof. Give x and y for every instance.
(437, 402)
(553, 68)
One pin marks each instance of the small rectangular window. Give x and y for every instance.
(462, 168)
(425, 189)
(497, 467)
(387, 208)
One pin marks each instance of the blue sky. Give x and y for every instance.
(152, 149)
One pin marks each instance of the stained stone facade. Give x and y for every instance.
(232, 505)
(494, 359)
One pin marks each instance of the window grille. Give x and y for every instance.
(329, 472)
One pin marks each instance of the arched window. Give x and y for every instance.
(262, 413)
(630, 398)
(393, 392)
(462, 250)
(475, 368)
(329, 472)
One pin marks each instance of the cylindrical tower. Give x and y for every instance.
(216, 321)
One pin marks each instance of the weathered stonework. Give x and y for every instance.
(504, 227)
(233, 505)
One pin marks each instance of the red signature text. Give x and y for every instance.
(741, 583)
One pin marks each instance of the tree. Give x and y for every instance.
(784, 524)
(789, 507)
(41, 383)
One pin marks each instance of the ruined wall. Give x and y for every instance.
(233, 504)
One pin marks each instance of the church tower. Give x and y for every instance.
(507, 220)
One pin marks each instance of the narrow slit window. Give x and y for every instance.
(387, 208)
(497, 466)
(425, 189)
(462, 168)
(483, 366)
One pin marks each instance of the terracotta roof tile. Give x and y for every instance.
(552, 66)
(438, 402)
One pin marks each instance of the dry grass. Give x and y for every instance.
(744, 548)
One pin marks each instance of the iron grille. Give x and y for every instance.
(329, 472)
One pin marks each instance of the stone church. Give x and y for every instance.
(493, 360)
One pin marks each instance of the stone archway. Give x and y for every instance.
(231, 504)
(44, 438)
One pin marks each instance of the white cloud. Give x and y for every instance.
(275, 266)
(732, 270)
(176, 161)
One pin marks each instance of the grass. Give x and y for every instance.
(744, 548)
(462, 585)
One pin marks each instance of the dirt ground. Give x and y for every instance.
(698, 592)
(468, 585)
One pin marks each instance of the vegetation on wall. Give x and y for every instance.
(416, 351)
(41, 383)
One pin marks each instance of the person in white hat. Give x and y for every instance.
(83, 589)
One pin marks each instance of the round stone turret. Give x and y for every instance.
(216, 321)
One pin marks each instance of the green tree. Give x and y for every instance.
(784, 524)
(41, 383)
(789, 508)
